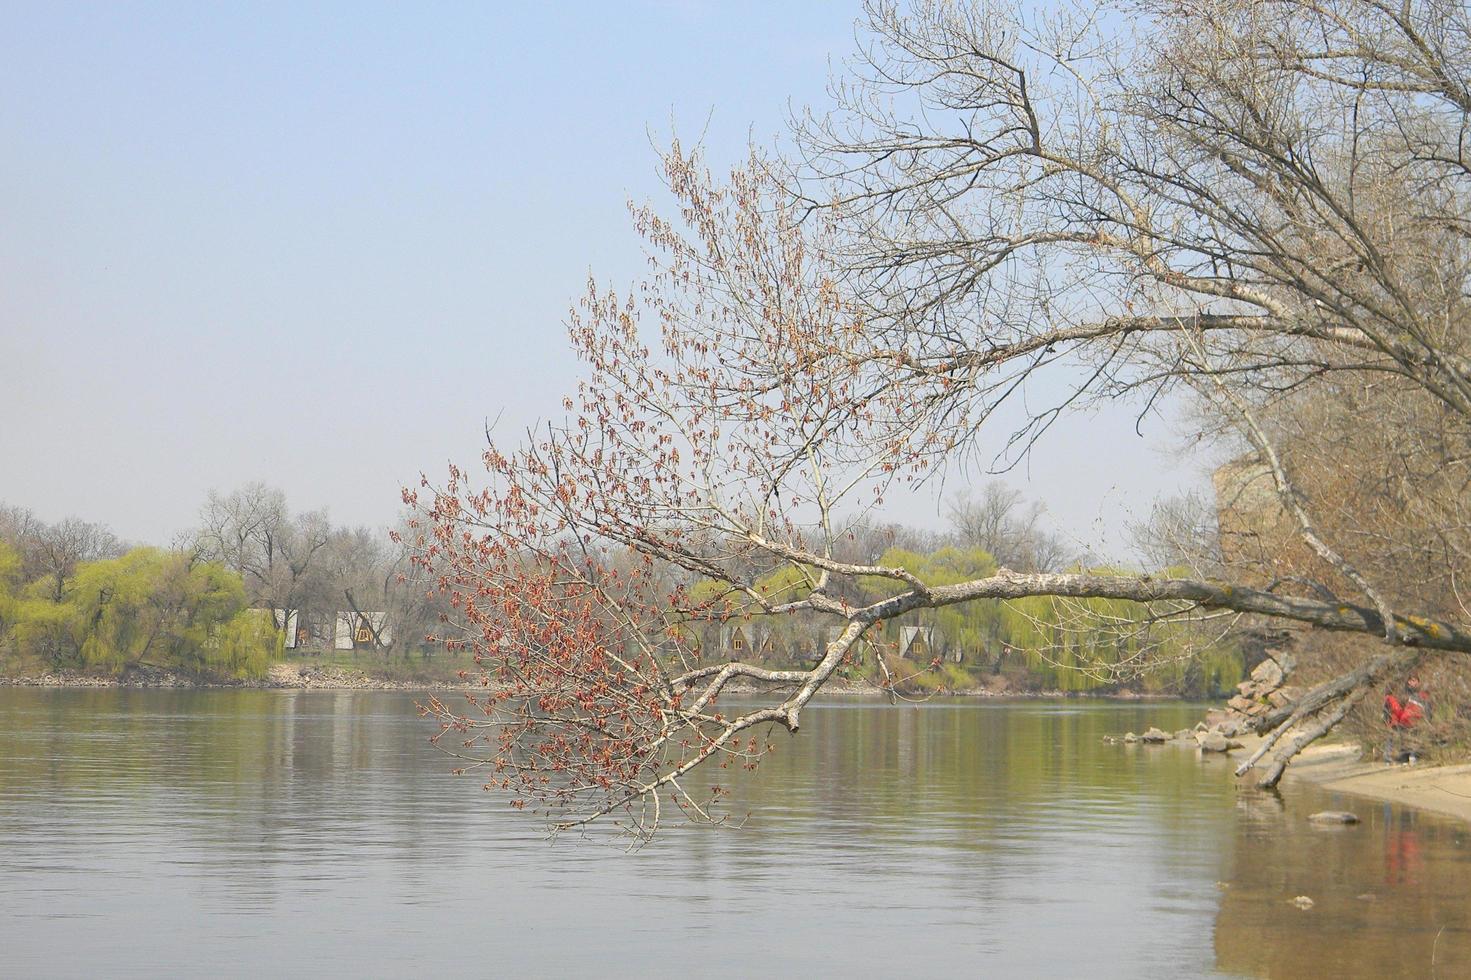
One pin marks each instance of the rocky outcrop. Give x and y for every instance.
(1208, 740)
(1265, 690)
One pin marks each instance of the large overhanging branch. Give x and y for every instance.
(1416, 631)
(542, 705)
(1327, 704)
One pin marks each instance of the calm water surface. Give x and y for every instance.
(239, 832)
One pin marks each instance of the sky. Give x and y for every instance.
(322, 245)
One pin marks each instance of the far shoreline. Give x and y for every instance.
(306, 676)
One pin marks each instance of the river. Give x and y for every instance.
(244, 832)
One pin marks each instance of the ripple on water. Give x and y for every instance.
(319, 830)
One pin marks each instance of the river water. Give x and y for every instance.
(243, 832)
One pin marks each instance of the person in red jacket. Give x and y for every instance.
(1401, 715)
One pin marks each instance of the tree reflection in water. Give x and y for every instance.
(957, 837)
(1390, 895)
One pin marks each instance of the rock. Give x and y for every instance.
(1184, 735)
(1155, 735)
(1200, 726)
(1268, 673)
(1240, 703)
(1303, 902)
(1212, 742)
(1130, 737)
(1334, 816)
(1234, 743)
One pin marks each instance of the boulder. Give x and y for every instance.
(1155, 735)
(1184, 735)
(1130, 737)
(1200, 726)
(1334, 816)
(1240, 703)
(1212, 741)
(1303, 902)
(1268, 673)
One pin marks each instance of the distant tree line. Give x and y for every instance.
(229, 596)
(255, 579)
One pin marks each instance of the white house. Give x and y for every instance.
(916, 641)
(355, 632)
(285, 621)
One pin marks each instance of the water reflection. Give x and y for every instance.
(235, 830)
(1389, 895)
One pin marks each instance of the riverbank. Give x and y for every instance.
(284, 677)
(337, 677)
(1339, 768)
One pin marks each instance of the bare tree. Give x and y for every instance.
(1216, 206)
(239, 529)
(17, 524)
(356, 581)
(1265, 205)
(409, 592)
(1181, 532)
(1011, 531)
(253, 532)
(303, 565)
(55, 550)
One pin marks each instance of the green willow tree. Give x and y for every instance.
(1088, 644)
(147, 608)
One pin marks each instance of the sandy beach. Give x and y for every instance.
(1338, 767)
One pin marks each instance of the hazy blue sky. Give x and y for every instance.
(320, 247)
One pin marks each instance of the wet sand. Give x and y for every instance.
(1338, 767)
